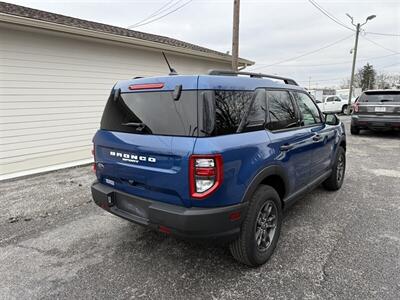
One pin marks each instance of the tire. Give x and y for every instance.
(335, 180)
(344, 109)
(354, 130)
(249, 250)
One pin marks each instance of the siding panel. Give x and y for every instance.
(53, 89)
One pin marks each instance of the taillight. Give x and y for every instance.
(356, 106)
(205, 174)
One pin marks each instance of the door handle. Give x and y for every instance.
(317, 138)
(286, 147)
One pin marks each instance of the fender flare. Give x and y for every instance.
(264, 173)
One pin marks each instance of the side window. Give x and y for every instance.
(282, 114)
(238, 111)
(330, 99)
(308, 109)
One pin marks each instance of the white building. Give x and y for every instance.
(56, 73)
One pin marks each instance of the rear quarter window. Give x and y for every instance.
(227, 112)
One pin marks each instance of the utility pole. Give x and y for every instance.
(357, 26)
(235, 35)
(353, 68)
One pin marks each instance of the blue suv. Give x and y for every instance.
(215, 156)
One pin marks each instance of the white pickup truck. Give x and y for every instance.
(333, 103)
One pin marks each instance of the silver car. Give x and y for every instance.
(376, 110)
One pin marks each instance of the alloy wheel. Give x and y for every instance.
(265, 227)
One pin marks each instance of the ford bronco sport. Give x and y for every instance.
(214, 156)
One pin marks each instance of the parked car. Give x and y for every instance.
(333, 104)
(376, 110)
(215, 156)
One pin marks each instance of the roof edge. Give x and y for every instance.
(40, 24)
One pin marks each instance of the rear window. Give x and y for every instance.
(152, 113)
(380, 96)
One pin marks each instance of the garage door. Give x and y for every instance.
(52, 92)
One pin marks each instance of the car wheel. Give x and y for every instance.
(260, 229)
(354, 130)
(335, 180)
(344, 109)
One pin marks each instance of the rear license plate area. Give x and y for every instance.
(129, 205)
(380, 109)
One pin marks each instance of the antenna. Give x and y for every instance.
(172, 71)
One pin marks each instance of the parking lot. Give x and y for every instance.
(56, 243)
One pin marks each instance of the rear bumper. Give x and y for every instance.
(199, 223)
(365, 121)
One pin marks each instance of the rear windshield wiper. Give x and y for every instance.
(139, 126)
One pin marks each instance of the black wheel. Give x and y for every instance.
(344, 109)
(354, 130)
(260, 229)
(335, 180)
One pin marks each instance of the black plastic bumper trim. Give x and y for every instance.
(191, 222)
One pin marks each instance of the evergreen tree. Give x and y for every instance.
(365, 77)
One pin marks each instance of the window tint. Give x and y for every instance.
(238, 108)
(281, 111)
(152, 113)
(380, 96)
(308, 109)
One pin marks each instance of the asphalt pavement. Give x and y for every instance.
(56, 243)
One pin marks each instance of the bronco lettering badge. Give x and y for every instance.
(133, 158)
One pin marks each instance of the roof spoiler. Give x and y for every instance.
(252, 75)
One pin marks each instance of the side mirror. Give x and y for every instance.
(318, 101)
(331, 119)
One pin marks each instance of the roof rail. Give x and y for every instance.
(253, 75)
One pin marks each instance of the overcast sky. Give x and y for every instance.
(270, 31)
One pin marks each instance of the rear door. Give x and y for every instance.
(323, 135)
(145, 141)
(292, 143)
(379, 104)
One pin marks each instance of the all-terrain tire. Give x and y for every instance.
(335, 180)
(245, 249)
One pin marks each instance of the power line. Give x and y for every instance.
(304, 54)
(330, 16)
(389, 66)
(379, 45)
(339, 63)
(344, 78)
(156, 13)
(164, 15)
(326, 13)
(381, 33)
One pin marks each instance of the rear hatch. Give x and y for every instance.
(379, 103)
(148, 131)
